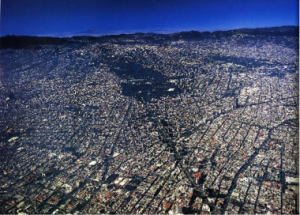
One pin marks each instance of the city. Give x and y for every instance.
(151, 124)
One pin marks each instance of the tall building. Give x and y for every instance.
(178, 209)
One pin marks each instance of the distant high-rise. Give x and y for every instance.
(178, 209)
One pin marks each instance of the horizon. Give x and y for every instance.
(84, 33)
(72, 17)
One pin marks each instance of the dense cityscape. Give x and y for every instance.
(151, 124)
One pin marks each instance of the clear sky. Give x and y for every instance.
(66, 17)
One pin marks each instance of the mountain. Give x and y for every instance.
(20, 42)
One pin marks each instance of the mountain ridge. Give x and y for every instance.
(20, 42)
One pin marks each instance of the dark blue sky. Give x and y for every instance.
(65, 17)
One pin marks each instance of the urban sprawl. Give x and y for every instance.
(135, 126)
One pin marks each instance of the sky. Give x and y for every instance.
(70, 17)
